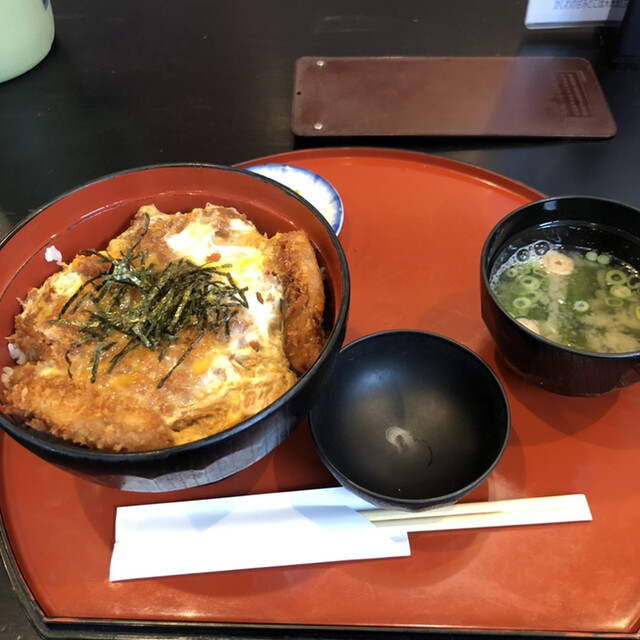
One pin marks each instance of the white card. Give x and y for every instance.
(545, 14)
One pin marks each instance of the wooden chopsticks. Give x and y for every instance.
(499, 513)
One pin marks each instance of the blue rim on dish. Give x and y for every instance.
(312, 187)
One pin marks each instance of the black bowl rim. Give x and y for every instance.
(58, 445)
(485, 275)
(412, 502)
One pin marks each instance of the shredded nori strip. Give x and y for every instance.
(152, 307)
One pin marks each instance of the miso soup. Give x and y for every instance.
(576, 297)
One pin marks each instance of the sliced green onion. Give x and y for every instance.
(511, 272)
(603, 259)
(521, 303)
(633, 282)
(537, 269)
(615, 276)
(592, 256)
(526, 268)
(620, 291)
(638, 311)
(529, 283)
(613, 302)
(580, 306)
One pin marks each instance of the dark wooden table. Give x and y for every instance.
(133, 83)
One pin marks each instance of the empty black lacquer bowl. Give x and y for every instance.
(410, 420)
(597, 226)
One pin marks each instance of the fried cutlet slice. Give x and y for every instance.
(297, 269)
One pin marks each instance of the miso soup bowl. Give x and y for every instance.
(91, 214)
(596, 224)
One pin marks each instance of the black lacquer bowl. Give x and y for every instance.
(86, 218)
(410, 420)
(596, 224)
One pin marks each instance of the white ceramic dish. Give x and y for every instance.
(310, 186)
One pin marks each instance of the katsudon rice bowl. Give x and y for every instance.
(167, 327)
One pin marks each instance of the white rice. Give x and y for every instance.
(17, 354)
(5, 376)
(51, 254)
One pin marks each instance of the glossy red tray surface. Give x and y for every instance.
(413, 231)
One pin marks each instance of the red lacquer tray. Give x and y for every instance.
(413, 231)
